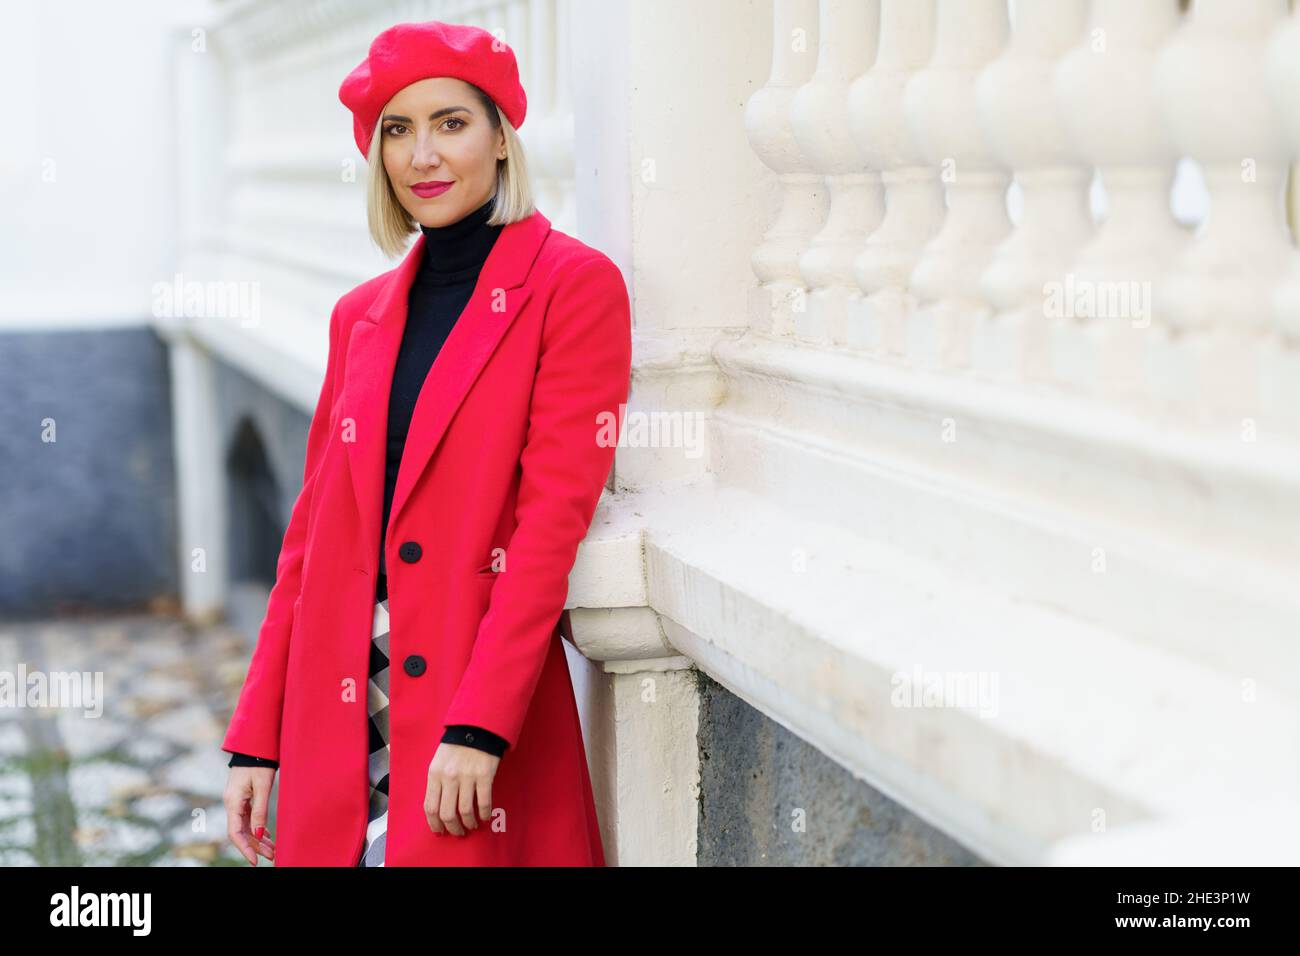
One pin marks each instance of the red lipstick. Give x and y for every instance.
(430, 189)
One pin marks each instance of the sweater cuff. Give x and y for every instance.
(248, 760)
(468, 736)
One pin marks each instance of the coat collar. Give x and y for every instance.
(373, 344)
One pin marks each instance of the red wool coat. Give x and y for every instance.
(511, 441)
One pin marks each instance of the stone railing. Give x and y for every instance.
(897, 136)
(1083, 411)
(991, 414)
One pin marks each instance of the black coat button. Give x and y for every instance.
(469, 738)
(414, 665)
(410, 551)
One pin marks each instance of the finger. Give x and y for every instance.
(263, 845)
(432, 800)
(484, 791)
(465, 804)
(237, 810)
(450, 812)
(245, 848)
(257, 819)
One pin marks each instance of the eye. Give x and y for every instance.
(456, 119)
(393, 126)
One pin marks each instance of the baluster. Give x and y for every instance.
(819, 116)
(913, 198)
(781, 291)
(1018, 112)
(939, 105)
(1107, 96)
(1212, 87)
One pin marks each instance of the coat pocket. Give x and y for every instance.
(487, 570)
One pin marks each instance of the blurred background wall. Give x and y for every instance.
(88, 183)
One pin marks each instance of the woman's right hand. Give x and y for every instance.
(247, 796)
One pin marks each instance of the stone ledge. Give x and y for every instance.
(1086, 726)
(1197, 532)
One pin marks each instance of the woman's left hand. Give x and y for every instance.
(460, 782)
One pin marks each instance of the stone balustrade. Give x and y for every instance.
(1037, 383)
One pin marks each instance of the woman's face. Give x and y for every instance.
(434, 133)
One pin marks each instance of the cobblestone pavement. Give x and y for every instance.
(132, 775)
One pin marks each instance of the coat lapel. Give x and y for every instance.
(372, 350)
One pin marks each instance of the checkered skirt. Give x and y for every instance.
(372, 853)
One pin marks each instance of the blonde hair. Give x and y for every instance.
(390, 224)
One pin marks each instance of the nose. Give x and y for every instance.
(426, 153)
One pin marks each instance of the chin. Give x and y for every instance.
(426, 217)
(433, 220)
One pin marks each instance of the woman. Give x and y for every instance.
(465, 427)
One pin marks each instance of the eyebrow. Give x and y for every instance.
(433, 116)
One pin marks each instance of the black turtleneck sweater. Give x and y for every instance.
(453, 257)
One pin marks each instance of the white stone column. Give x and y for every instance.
(670, 189)
(1215, 100)
(1108, 108)
(940, 107)
(1018, 112)
(201, 476)
(200, 457)
(644, 746)
(819, 116)
(803, 200)
(914, 205)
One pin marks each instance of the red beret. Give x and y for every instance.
(408, 52)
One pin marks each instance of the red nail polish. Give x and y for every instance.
(259, 831)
